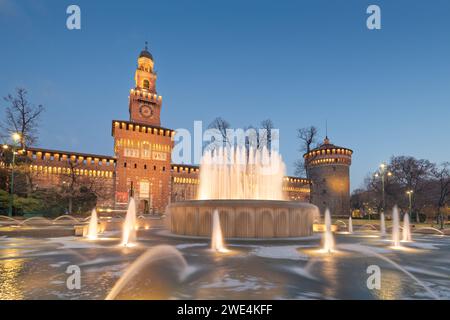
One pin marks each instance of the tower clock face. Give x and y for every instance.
(146, 111)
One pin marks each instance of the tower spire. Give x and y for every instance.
(146, 46)
(326, 140)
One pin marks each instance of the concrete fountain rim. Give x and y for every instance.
(242, 202)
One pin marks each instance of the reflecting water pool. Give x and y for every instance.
(32, 268)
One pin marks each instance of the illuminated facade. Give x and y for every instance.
(141, 166)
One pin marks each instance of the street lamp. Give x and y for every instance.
(382, 172)
(409, 193)
(16, 138)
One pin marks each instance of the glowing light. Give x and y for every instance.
(16, 136)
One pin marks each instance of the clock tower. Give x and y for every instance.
(142, 147)
(145, 104)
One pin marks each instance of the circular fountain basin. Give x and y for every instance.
(260, 219)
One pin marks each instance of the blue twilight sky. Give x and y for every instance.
(299, 63)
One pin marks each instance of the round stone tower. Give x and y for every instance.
(328, 167)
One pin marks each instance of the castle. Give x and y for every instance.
(142, 168)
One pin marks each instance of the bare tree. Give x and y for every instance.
(221, 125)
(441, 175)
(21, 117)
(266, 138)
(308, 138)
(412, 174)
(71, 183)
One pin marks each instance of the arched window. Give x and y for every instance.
(146, 84)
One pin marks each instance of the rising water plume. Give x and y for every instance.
(93, 226)
(240, 173)
(217, 242)
(395, 227)
(406, 229)
(129, 225)
(166, 260)
(350, 225)
(382, 224)
(328, 239)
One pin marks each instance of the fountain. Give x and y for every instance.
(93, 226)
(328, 240)
(406, 229)
(217, 243)
(232, 174)
(350, 225)
(167, 265)
(129, 225)
(382, 225)
(246, 186)
(395, 228)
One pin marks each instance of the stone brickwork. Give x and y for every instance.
(54, 168)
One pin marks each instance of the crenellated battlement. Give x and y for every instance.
(151, 97)
(140, 127)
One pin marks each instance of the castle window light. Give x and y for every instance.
(146, 84)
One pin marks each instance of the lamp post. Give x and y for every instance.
(382, 173)
(16, 138)
(409, 193)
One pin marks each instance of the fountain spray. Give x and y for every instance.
(217, 242)
(129, 225)
(350, 225)
(382, 225)
(328, 240)
(93, 227)
(395, 227)
(406, 229)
